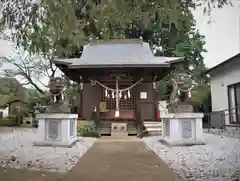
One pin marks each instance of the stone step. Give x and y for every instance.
(155, 133)
(105, 130)
(153, 127)
(152, 124)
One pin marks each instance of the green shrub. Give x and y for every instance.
(89, 134)
(88, 131)
(236, 175)
(35, 123)
(11, 120)
(143, 134)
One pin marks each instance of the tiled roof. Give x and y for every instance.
(118, 53)
(235, 57)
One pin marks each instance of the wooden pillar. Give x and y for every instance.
(80, 113)
(155, 99)
(117, 97)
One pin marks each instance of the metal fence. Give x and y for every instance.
(222, 119)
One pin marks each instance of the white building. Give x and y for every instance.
(4, 112)
(225, 89)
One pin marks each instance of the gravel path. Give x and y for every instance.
(218, 160)
(229, 133)
(16, 151)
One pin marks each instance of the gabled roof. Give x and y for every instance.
(118, 53)
(15, 98)
(224, 63)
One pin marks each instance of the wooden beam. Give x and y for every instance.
(132, 74)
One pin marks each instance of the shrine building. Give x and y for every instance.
(117, 81)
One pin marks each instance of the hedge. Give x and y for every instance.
(9, 121)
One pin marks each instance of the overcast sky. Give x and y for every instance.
(222, 35)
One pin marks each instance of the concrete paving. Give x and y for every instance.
(110, 160)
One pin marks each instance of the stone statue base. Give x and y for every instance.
(184, 107)
(60, 107)
(182, 129)
(181, 107)
(56, 129)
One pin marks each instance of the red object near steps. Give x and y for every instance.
(158, 115)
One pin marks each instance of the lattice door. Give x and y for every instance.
(124, 104)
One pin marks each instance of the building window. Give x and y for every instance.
(234, 103)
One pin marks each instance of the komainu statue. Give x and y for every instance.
(59, 101)
(182, 86)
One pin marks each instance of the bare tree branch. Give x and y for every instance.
(45, 85)
(32, 68)
(45, 67)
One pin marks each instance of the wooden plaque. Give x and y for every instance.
(103, 106)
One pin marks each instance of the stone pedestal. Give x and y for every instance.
(182, 128)
(56, 129)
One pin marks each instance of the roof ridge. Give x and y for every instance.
(117, 41)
